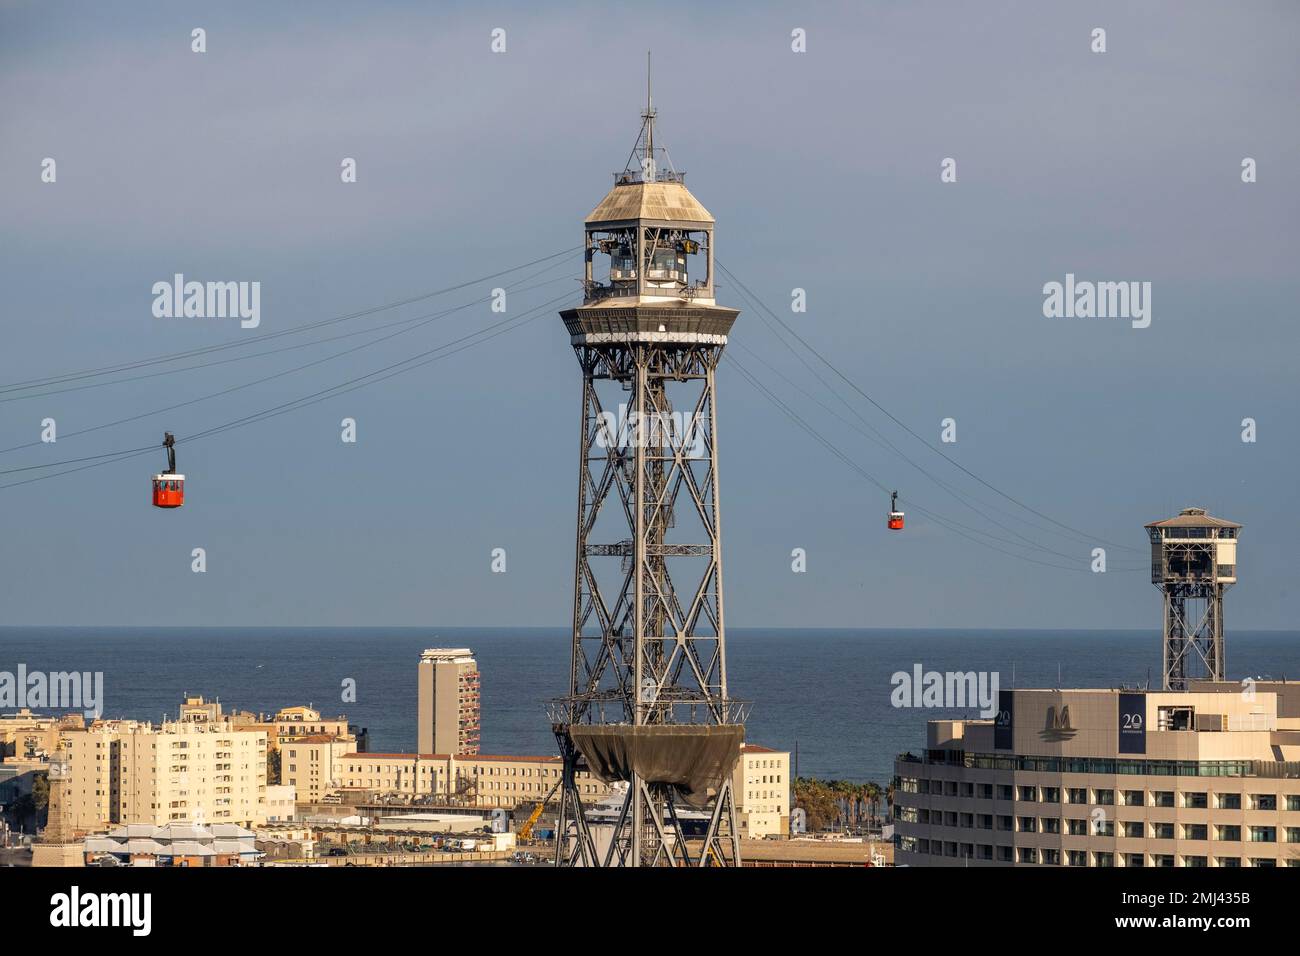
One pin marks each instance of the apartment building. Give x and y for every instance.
(288, 723)
(761, 783)
(313, 765)
(292, 723)
(448, 706)
(126, 771)
(1208, 777)
(25, 735)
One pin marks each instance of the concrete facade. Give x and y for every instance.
(448, 707)
(1207, 777)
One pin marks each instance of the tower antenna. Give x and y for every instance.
(649, 117)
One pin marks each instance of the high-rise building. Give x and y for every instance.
(448, 719)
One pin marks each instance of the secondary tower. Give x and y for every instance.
(1193, 561)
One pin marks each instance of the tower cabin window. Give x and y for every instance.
(622, 266)
(667, 266)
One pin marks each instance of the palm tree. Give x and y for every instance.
(873, 798)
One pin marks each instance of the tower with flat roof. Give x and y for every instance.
(1193, 561)
(448, 704)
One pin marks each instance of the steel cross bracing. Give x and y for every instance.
(637, 637)
(1185, 570)
(648, 633)
(1199, 638)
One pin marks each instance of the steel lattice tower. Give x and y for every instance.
(1193, 561)
(648, 704)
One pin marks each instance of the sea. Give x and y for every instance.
(825, 693)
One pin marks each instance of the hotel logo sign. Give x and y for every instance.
(1057, 725)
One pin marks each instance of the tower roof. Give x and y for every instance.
(1194, 518)
(656, 201)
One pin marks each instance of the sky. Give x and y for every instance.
(823, 169)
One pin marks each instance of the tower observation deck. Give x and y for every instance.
(647, 701)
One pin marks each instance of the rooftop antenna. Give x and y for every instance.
(643, 151)
(649, 117)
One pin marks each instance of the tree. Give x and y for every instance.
(873, 798)
(41, 790)
(272, 767)
(818, 802)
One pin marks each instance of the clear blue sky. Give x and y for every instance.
(822, 169)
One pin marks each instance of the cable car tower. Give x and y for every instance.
(1193, 561)
(648, 702)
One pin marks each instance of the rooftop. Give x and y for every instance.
(1194, 518)
(655, 201)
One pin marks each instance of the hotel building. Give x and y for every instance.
(1204, 777)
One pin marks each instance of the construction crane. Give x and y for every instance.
(526, 831)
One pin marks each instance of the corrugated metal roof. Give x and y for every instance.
(660, 201)
(1194, 518)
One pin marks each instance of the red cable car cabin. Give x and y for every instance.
(168, 490)
(895, 516)
(169, 487)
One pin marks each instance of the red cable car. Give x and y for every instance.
(169, 487)
(895, 516)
